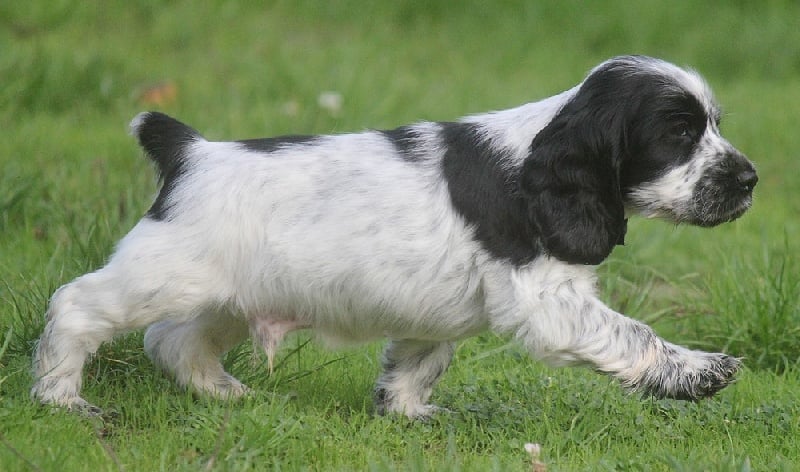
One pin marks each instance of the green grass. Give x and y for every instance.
(72, 182)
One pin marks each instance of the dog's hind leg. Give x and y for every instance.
(149, 279)
(83, 314)
(190, 351)
(410, 370)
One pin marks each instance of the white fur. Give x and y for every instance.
(513, 129)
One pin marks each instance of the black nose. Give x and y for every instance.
(747, 180)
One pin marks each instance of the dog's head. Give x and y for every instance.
(639, 134)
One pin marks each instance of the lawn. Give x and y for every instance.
(72, 182)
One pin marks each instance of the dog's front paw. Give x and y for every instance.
(689, 375)
(719, 373)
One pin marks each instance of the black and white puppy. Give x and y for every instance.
(425, 234)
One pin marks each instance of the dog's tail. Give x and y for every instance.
(164, 140)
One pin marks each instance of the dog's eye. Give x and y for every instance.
(683, 130)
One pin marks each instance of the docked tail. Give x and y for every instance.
(164, 139)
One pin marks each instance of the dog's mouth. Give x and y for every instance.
(708, 214)
(711, 206)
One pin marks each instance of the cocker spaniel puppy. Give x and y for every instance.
(425, 234)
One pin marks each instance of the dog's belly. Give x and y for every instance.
(348, 287)
(356, 307)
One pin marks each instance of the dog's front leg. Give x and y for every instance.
(558, 318)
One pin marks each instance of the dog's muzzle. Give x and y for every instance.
(725, 192)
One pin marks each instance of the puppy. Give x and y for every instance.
(425, 234)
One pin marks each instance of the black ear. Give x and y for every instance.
(570, 181)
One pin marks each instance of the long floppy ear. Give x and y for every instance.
(570, 180)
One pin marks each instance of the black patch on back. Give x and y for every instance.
(404, 140)
(276, 143)
(487, 195)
